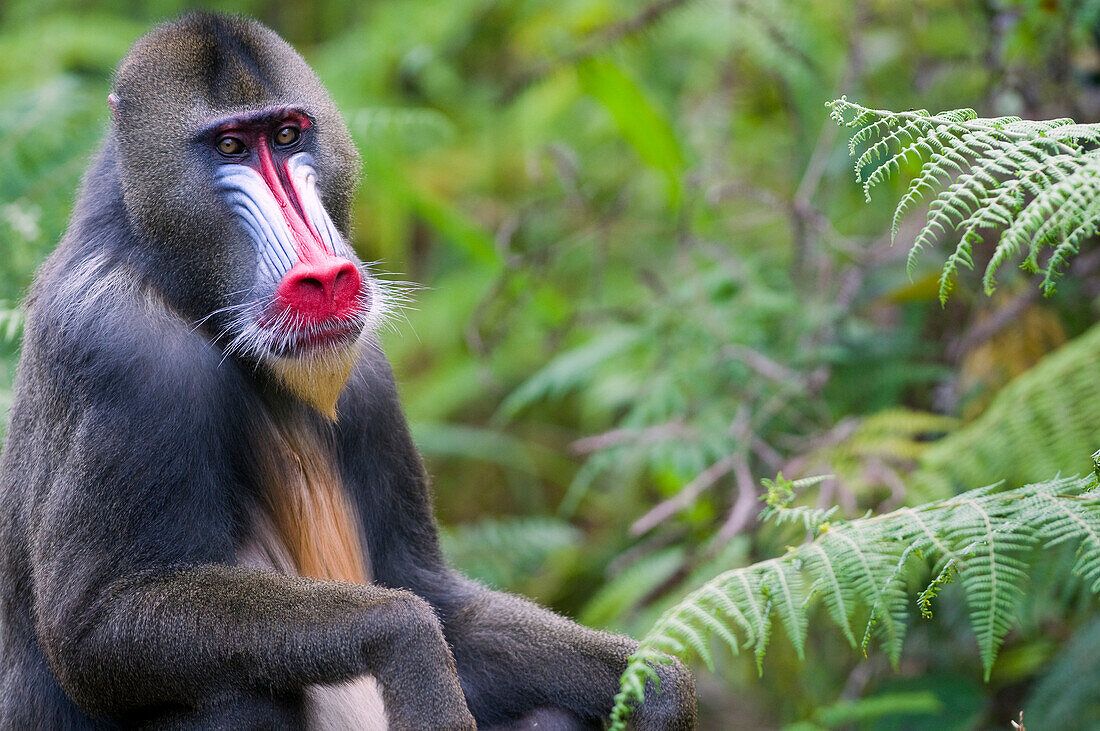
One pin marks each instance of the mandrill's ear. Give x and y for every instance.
(112, 101)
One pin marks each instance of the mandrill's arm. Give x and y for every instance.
(518, 662)
(138, 608)
(515, 657)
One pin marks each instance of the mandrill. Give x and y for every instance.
(211, 512)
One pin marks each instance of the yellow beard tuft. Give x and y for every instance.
(317, 379)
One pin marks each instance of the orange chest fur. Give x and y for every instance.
(306, 507)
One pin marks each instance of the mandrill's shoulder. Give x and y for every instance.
(95, 330)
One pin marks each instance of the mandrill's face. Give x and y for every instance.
(309, 295)
(264, 266)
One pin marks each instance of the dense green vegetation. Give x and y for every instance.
(650, 282)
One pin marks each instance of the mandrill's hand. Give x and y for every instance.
(672, 707)
(420, 685)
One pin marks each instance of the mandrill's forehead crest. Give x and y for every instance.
(215, 64)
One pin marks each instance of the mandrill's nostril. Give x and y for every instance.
(311, 287)
(347, 282)
(320, 290)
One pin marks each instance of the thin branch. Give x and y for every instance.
(767, 454)
(675, 429)
(761, 363)
(992, 325)
(745, 507)
(666, 509)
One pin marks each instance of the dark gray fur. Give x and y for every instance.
(127, 479)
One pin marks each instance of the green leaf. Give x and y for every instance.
(641, 123)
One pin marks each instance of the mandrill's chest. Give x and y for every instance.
(303, 520)
(305, 525)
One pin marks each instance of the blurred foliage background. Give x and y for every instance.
(649, 282)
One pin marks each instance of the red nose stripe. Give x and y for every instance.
(306, 239)
(321, 286)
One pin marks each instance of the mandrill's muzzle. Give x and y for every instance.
(297, 245)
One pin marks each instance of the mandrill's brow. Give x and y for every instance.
(269, 117)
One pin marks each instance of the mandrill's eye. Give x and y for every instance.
(231, 146)
(286, 136)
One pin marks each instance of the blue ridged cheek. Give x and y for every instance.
(259, 214)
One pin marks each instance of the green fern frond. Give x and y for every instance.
(996, 572)
(780, 492)
(945, 576)
(1074, 521)
(838, 596)
(987, 541)
(783, 585)
(868, 563)
(810, 518)
(744, 589)
(1035, 181)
